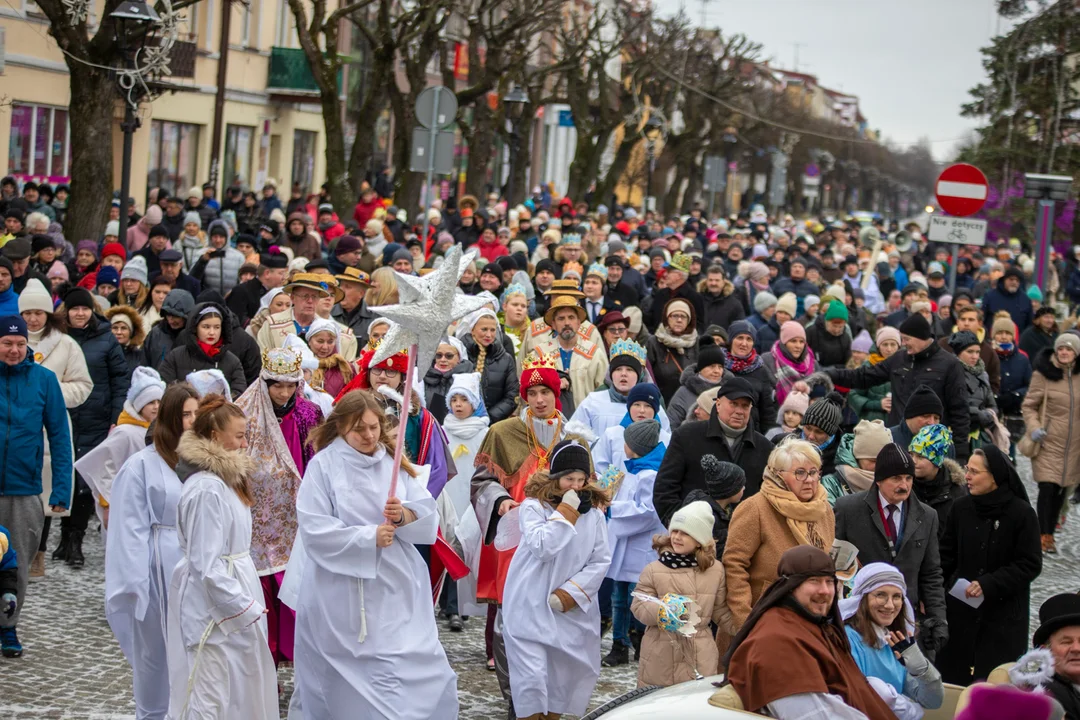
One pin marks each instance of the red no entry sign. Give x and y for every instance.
(961, 190)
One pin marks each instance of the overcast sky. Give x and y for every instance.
(910, 62)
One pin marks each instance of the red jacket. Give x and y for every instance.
(365, 211)
(332, 233)
(492, 251)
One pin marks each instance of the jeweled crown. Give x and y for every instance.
(539, 361)
(628, 347)
(281, 361)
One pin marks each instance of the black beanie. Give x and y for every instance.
(79, 297)
(722, 479)
(568, 456)
(710, 355)
(924, 401)
(893, 460)
(825, 413)
(916, 326)
(962, 340)
(627, 360)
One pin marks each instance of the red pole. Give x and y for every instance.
(406, 395)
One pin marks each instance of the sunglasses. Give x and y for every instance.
(445, 356)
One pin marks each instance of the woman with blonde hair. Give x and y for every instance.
(791, 509)
(219, 660)
(482, 335)
(363, 608)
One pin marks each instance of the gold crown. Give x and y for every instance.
(539, 361)
(281, 361)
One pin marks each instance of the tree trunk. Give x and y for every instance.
(605, 187)
(409, 184)
(481, 146)
(337, 172)
(523, 157)
(93, 94)
(585, 167)
(693, 187)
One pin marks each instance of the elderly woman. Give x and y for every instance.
(674, 346)
(791, 509)
(880, 625)
(982, 407)
(483, 346)
(991, 547)
(743, 361)
(790, 361)
(876, 402)
(1050, 416)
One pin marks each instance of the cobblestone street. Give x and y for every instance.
(73, 668)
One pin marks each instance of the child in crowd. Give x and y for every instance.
(9, 576)
(860, 350)
(791, 414)
(725, 484)
(550, 604)
(687, 566)
(334, 371)
(632, 524)
(642, 403)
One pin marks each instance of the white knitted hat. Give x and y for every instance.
(468, 385)
(35, 297)
(696, 520)
(209, 381)
(146, 387)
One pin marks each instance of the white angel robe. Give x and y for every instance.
(143, 552)
(366, 641)
(609, 449)
(100, 466)
(632, 524)
(599, 412)
(554, 657)
(220, 667)
(464, 438)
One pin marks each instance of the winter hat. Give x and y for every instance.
(113, 248)
(13, 325)
(112, 228)
(569, 456)
(696, 520)
(787, 303)
(741, 327)
(153, 215)
(710, 355)
(678, 305)
(79, 297)
(916, 326)
(893, 460)
(887, 333)
(706, 400)
(795, 402)
(763, 301)
(924, 401)
(722, 479)
(1004, 702)
(136, 270)
(58, 271)
(837, 311)
(870, 437)
(862, 342)
(1003, 324)
(644, 392)
(825, 414)
(1069, 340)
(35, 297)
(192, 217)
(1034, 293)
(791, 330)
(810, 301)
(39, 243)
(933, 442)
(108, 276)
(146, 387)
(91, 246)
(961, 341)
(836, 292)
(642, 436)
(178, 303)
(208, 382)
(468, 386)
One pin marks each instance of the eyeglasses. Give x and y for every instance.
(445, 356)
(617, 331)
(802, 474)
(968, 470)
(383, 372)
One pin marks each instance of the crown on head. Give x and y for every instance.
(513, 289)
(628, 347)
(570, 239)
(281, 361)
(598, 270)
(539, 361)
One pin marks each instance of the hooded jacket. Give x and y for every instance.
(691, 384)
(109, 371)
(187, 357)
(133, 351)
(1017, 304)
(724, 308)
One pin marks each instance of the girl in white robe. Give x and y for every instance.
(144, 550)
(550, 606)
(220, 667)
(100, 466)
(366, 641)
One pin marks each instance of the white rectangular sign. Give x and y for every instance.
(958, 230)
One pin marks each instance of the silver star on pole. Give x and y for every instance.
(426, 308)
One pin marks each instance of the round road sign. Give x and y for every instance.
(961, 190)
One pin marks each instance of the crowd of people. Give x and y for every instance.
(746, 445)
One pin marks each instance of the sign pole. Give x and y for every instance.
(434, 130)
(952, 268)
(406, 399)
(1044, 227)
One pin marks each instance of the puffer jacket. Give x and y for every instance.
(108, 369)
(437, 384)
(941, 492)
(663, 662)
(981, 405)
(241, 344)
(499, 378)
(1015, 379)
(1017, 304)
(187, 357)
(867, 403)
(159, 342)
(1058, 461)
(690, 386)
(722, 309)
(221, 271)
(30, 397)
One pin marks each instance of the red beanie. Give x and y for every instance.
(541, 371)
(114, 248)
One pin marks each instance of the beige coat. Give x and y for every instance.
(59, 353)
(273, 332)
(1058, 461)
(757, 536)
(588, 366)
(664, 657)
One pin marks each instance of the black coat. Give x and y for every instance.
(437, 384)
(187, 357)
(1065, 693)
(244, 299)
(1033, 341)
(764, 384)
(668, 364)
(499, 378)
(858, 520)
(661, 297)
(90, 422)
(722, 309)
(943, 491)
(938, 369)
(1004, 555)
(829, 350)
(159, 342)
(680, 472)
(622, 293)
(240, 344)
(359, 320)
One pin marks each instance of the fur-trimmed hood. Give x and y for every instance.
(955, 472)
(1046, 363)
(138, 332)
(197, 454)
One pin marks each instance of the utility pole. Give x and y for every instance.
(797, 46)
(219, 97)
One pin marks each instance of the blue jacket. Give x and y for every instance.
(1017, 304)
(9, 302)
(1015, 378)
(30, 399)
(1072, 289)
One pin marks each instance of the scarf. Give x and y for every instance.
(790, 371)
(993, 505)
(802, 517)
(615, 396)
(1005, 350)
(318, 377)
(977, 369)
(211, 351)
(743, 366)
(128, 418)
(676, 342)
(935, 491)
(675, 561)
(874, 358)
(856, 478)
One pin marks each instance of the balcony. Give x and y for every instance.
(290, 76)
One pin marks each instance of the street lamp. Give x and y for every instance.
(132, 24)
(654, 127)
(514, 103)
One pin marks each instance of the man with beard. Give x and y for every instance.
(541, 331)
(582, 360)
(792, 655)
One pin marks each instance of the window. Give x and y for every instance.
(39, 143)
(174, 155)
(285, 32)
(238, 144)
(249, 25)
(303, 158)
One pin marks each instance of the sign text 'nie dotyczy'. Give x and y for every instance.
(958, 230)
